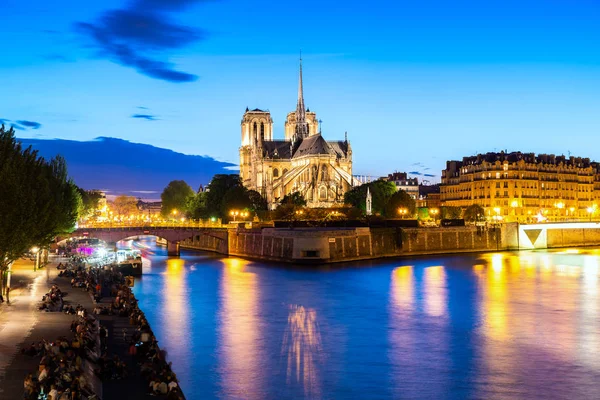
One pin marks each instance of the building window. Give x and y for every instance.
(323, 193)
(262, 131)
(275, 173)
(497, 175)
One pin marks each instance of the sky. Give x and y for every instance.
(414, 83)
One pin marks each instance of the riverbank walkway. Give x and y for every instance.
(21, 323)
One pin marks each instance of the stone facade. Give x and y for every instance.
(522, 186)
(302, 162)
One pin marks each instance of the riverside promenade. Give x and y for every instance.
(21, 323)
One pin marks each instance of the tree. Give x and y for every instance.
(381, 192)
(258, 202)
(196, 206)
(89, 202)
(235, 199)
(294, 198)
(176, 196)
(474, 213)
(37, 200)
(400, 200)
(218, 186)
(450, 212)
(124, 205)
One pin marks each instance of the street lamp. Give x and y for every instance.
(590, 211)
(36, 251)
(234, 214)
(402, 212)
(434, 212)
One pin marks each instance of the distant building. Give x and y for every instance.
(303, 162)
(429, 196)
(522, 186)
(402, 181)
(149, 208)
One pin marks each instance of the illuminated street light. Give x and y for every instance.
(402, 212)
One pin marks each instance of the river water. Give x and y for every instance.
(485, 326)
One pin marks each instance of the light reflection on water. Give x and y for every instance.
(494, 326)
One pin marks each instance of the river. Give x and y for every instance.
(481, 326)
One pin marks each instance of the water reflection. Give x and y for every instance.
(302, 348)
(497, 325)
(435, 291)
(239, 332)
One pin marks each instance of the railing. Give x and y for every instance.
(152, 224)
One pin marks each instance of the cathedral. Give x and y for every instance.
(303, 162)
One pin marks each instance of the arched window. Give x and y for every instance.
(284, 172)
(323, 193)
(255, 131)
(275, 173)
(262, 131)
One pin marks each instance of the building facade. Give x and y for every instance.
(302, 162)
(523, 187)
(403, 182)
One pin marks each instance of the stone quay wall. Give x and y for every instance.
(325, 245)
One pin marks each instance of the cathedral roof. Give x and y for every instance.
(315, 144)
(277, 149)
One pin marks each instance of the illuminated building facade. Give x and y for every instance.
(302, 162)
(522, 186)
(403, 182)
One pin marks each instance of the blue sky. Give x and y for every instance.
(413, 83)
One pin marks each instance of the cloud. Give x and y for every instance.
(30, 124)
(137, 35)
(21, 125)
(415, 173)
(429, 175)
(142, 108)
(144, 116)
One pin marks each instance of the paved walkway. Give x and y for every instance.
(21, 323)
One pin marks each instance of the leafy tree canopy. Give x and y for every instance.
(451, 212)
(218, 187)
(381, 192)
(175, 197)
(474, 212)
(400, 200)
(235, 199)
(37, 200)
(258, 202)
(294, 198)
(90, 200)
(124, 205)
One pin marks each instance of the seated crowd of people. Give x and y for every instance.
(60, 372)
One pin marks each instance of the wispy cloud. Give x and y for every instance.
(21, 125)
(430, 175)
(135, 36)
(147, 117)
(30, 124)
(415, 173)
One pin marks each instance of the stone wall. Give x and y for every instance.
(210, 240)
(347, 244)
(573, 237)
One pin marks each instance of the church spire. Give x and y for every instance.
(301, 126)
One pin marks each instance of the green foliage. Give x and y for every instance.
(400, 200)
(285, 212)
(381, 192)
(258, 202)
(124, 205)
(89, 202)
(474, 213)
(176, 196)
(236, 198)
(218, 187)
(423, 213)
(37, 199)
(295, 198)
(450, 212)
(196, 206)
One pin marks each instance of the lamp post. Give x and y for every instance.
(590, 211)
(234, 214)
(36, 251)
(402, 212)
